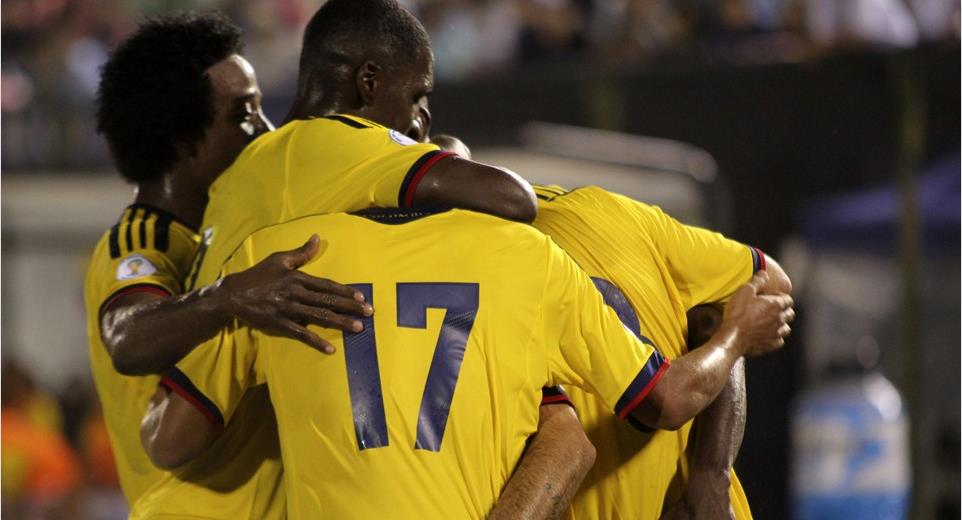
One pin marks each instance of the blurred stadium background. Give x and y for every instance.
(826, 132)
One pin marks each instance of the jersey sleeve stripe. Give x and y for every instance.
(555, 395)
(175, 381)
(646, 379)
(131, 289)
(416, 173)
(162, 233)
(758, 260)
(143, 228)
(638, 425)
(347, 121)
(114, 241)
(129, 234)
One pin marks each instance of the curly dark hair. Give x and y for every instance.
(154, 91)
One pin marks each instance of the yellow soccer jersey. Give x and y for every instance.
(651, 269)
(327, 164)
(238, 477)
(322, 165)
(426, 412)
(148, 250)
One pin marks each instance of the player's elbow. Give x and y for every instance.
(168, 456)
(671, 419)
(171, 432)
(127, 364)
(519, 202)
(778, 280)
(664, 408)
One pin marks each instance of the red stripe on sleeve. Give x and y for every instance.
(173, 386)
(412, 187)
(762, 263)
(141, 288)
(646, 390)
(556, 399)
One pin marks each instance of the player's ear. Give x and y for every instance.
(368, 82)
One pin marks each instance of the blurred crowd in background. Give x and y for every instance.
(57, 460)
(52, 49)
(56, 456)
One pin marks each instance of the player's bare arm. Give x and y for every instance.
(147, 333)
(557, 458)
(471, 185)
(717, 436)
(173, 431)
(754, 323)
(462, 183)
(720, 428)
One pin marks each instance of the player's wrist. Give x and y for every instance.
(216, 300)
(732, 339)
(708, 485)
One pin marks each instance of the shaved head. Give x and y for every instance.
(344, 34)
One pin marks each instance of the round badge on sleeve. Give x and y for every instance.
(400, 138)
(135, 266)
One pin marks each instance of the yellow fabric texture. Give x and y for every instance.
(328, 164)
(146, 250)
(491, 307)
(663, 268)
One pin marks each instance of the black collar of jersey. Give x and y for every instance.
(400, 215)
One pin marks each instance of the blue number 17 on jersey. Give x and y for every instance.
(364, 377)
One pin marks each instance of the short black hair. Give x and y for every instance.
(343, 31)
(155, 93)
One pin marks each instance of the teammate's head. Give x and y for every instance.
(371, 58)
(177, 93)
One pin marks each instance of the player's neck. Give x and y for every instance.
(185, 202)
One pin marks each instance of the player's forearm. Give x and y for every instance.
(547, 477)
(148, 336)
(691, 383)
(172, 431)
(720, 428)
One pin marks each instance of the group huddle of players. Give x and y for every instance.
(340, 318)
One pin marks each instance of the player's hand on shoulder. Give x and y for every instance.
(273, 296)
(761, 321)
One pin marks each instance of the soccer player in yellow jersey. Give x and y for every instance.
(176, 104)
(364, 64)
(652, 269)
(426, 412)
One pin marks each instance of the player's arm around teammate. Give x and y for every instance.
(147, 333)
(559, 455)
(754, 323)
(555, 462)
(344, 70)
(193, 138)
(720, 428)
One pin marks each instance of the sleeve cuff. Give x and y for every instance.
(175, 381)
(646, 379)
(758, 260)
(159, 290)
(555, 395)
(416, 173)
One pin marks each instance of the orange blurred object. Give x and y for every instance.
(37, 463)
